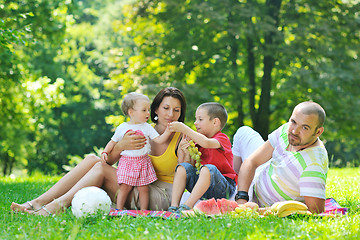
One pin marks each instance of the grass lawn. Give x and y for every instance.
(342, 184)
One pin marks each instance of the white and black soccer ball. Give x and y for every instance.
(90, 201)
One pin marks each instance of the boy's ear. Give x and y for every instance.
(217, 122)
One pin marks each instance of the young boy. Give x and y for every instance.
(217, 178)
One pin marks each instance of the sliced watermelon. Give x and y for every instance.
(208, 207)
(226, 205)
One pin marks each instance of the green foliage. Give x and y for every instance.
(53, 72)
(258, 58)
(86, 63)
(27, 96)
(342, 184)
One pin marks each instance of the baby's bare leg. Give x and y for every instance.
(144, 197)
(61, 187)
(123, 195)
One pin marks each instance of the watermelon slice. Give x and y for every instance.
(215, 207)
(226, 205)
(208, 207)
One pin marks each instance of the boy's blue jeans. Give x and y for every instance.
(220, 186)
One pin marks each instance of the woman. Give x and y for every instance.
(169, 105)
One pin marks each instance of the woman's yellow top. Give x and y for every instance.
(165, 164)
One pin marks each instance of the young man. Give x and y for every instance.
(294, 163)
(217, 178)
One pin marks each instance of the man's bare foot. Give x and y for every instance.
(22, 207)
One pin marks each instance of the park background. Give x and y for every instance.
(66, 64)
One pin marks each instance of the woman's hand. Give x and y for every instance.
(130, 141)
(183, 152)
(184, 143)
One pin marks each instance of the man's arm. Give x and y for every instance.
(237, 161)
(315, 205)
(248, 167)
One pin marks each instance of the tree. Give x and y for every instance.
(26, 96)
(259, 58)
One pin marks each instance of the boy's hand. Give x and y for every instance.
(176, 126)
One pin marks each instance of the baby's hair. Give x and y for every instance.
(216, 110)
(129, 101)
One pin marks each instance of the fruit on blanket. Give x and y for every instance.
(286, 208)
(215, 207)
(195, 155)
(273, 207)
(261, 211)
(89, 201)
(240, 208)
(252, 205)
(243, 211)
(292, 211)
(267, 212)
(226, 205)
(208, 207)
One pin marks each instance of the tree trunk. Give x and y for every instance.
(234, 69)
(263, 114)
(251, 76)
(6, 163)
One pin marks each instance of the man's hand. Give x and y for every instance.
(241, 201)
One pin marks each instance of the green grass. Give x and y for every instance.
(343, 185)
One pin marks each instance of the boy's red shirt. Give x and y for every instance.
(222, 159)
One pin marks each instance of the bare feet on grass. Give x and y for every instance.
(53, 208)
(16, 207)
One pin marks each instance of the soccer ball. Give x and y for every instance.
(90, 201)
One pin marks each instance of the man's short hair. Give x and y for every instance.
(310, 107)
(216, 110)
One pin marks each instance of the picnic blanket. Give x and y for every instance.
(332, 208)
(144, 213)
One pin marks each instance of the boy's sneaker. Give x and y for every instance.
(172, 209)
(183, 207)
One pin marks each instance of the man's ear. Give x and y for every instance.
(319, 131)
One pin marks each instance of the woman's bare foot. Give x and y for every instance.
(23, 207)
(53, 208)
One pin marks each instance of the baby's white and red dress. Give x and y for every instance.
(135, 167)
